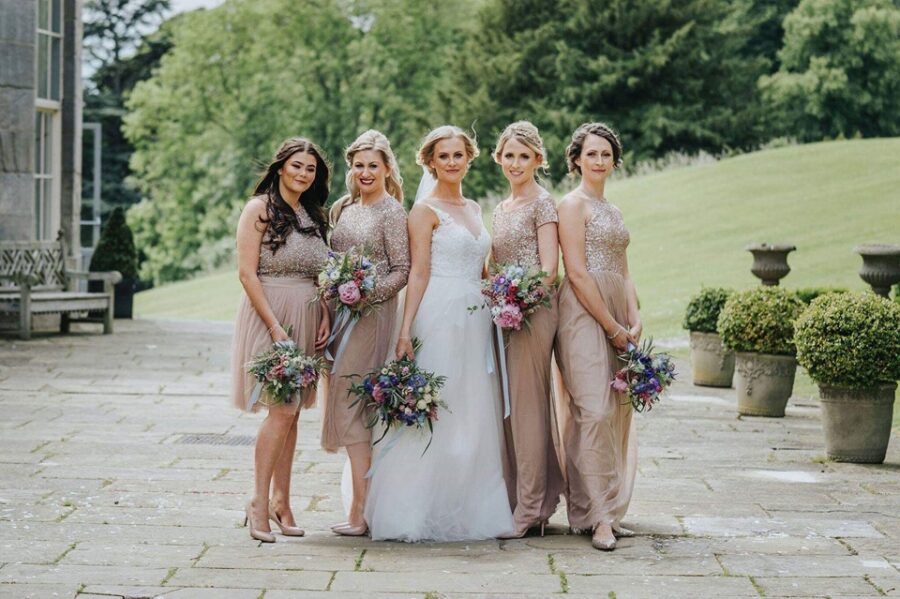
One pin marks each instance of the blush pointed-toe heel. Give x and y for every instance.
(259, 535)
(352, 531)
(603, 541)
(288, 531)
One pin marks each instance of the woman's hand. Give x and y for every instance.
(620, 338)
(324, 331)
(405, 348)
(278, 334)
(636, 331)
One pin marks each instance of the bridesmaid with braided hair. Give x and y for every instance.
(280, 250)
(598, 318)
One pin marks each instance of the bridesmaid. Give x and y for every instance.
(598, 318)
(372, 217)
(524, 229)
(281, 249)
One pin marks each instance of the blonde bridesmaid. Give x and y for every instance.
(370, 217)
(524, 232)
(598, 318)
(280, 250)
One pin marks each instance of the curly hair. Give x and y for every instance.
(280, 217)
(573, 150)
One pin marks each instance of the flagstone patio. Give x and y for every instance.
(124, 470)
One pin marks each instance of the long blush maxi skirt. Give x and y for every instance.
(598, 434)
(533, 474)
(293, 300)
(367, 349)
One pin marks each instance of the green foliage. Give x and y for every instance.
(670, 76)
(242, 77)
(703, 310)
(760, 320)
(808, 294)
(840, 70)
(850, 339)
(115, 250)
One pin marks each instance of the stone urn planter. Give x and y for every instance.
(712, 364)
(758, 324)
(881, 266)
(770, 261)
(764, 383)
(857, 422)
(849, 343)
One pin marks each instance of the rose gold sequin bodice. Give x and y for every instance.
(380, 230)
(515, 231)
(605, 238)
(302, 255)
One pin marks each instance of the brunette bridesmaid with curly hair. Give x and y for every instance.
(281, 249)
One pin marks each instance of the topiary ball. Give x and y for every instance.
(760, 320)
(850, 340)
(703, 309)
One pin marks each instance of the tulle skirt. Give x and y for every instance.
(293, 300)
(598, 431)
(454, 491)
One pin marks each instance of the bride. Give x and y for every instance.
(456, 490)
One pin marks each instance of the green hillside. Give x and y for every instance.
(689, 227)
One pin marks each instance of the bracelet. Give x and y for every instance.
(619, 332)
(404, 339)
(272, 328)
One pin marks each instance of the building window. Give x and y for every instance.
(47, 138)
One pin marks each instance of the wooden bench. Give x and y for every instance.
(34, 280)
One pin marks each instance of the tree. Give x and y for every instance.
(840, 70)
(671, 76)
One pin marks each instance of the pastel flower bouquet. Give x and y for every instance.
(282, 371)
(349, 278)
(401, 394)
(513, 294)
(645, 376)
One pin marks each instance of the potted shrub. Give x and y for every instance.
(850, 346)
(712, 364)
(116, 251)
(759, 326)
(808, 294)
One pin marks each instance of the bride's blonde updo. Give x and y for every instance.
(426, 151)
(375, 140)
(526, 134)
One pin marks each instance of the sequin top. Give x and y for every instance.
(380, 229)
(302, 255)
(605, 238)
(515, 231)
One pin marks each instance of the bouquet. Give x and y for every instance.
(348, 277)
(282, 371)
(401, 394)
(645, 376)
(512, 294)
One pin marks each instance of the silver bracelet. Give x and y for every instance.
(619, 332)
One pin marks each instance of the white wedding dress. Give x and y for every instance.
(456, 490)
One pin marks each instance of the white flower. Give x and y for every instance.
(421, 404)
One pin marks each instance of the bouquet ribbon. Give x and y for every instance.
(343, 326)
(254, 396)
(503, 371)
(390, 445)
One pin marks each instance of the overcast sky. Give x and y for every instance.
(186, 5)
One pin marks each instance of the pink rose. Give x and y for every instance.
(510, 317)
(619, 385)
(349, 293)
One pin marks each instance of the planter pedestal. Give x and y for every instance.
(881, 266)
(770, 261)
(857, 422)
(764, 383)
(712, 364)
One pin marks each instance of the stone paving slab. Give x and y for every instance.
(99, 497)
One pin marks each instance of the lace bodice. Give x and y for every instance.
(455, 252)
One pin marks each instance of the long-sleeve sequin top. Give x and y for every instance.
(605, 238)
(515, 238)
(380, 230)
(302, 255)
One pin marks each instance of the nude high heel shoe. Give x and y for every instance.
(259, 535)
(288, 531)
(602, 540)
(352, 531)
